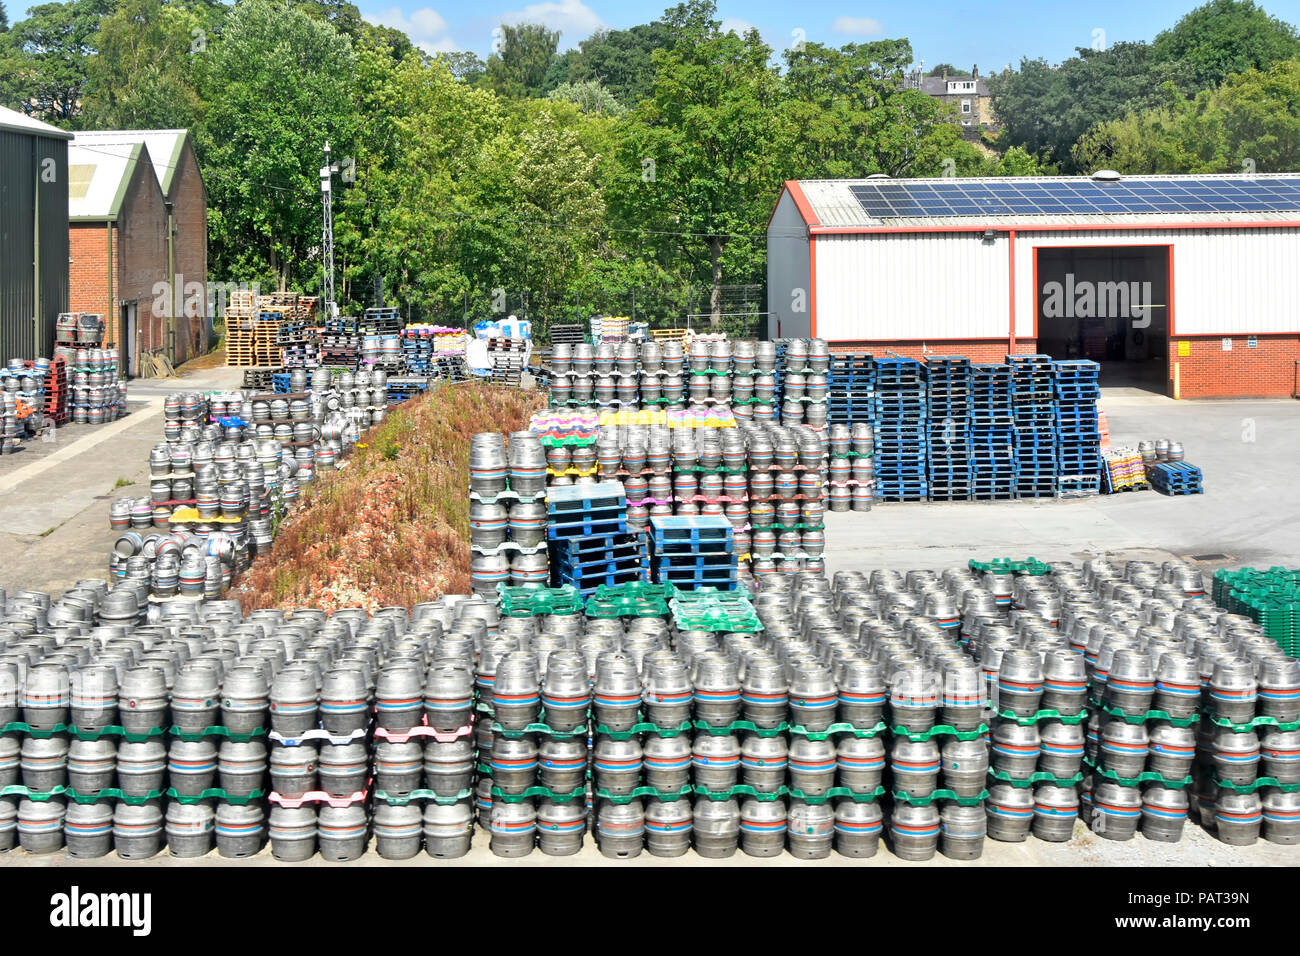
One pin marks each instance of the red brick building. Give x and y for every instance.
(138, 241)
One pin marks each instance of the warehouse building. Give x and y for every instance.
(1181, 284)
(139, 242)
(33, 234)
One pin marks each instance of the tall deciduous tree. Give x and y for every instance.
(519, 67)
(1224, 37)
(43, 58)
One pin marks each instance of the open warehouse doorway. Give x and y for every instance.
(1110, 304)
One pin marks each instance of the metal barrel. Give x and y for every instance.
(342, 832)
(561, 826)
(715, 761)
(965, 766)
(88, 829)
(914, 698)
(962, 831)
(241, 766)
(1279, 689)
(1281, 816)
(812, 765)
(858, 826)
(1233, 690)
(963, 695)
(810, 830)
(40, 824)
(616, 694)
(1124, 748)
(489, 524)
(137, 829)
(46, 696)
(764, 762)
(92, 764)
(487, 571)
(616, 765)
(527, 462)
(717, 690)
(514, 763)
(667, 762)
(92, 700)
(449, 766)
(240, 829)
(1236, 756)
(397, 830)
(399, 767)
(1010, 812)
(1015, 749)
(449, 828)
(668, 827)
(344, 700)
(715, 827)
(294, 707)
(916, 765)
(1062, 748)
(668, 695)
(1178, 686)
(1130, 684)
(765, 697)
(342, 769)
(527, 523)
(516, 696)
(189, 828)
(1055, 810)
(292, 769)
(292, 832)
(1020, 682)
(914, 831)
(448, 696)
(1279, 753)
(1173, 751)
(1164, 813)
(861, 693)
(1238, 817)
(860, 763)
(1116, 810)
(563, 763)
(196, 699)
(191, 766)
(620, 829)
(141, 767)
(763, 826)
(245, 699)
(488, 467)
(1065, 682)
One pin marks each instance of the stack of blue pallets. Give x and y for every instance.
(992, 434)
(417, 353)
(1078, 437)
(692, 552)
(901, 437)
(1033, 412)
(948, 414)
(852, 393)
(1175, 478)
(589, 542)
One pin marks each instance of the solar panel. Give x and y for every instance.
(957, 198)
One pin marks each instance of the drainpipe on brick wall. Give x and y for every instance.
(36, 250)
(171, 278)
(110, 316)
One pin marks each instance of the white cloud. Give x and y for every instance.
(574, 19)
(425, 26)
(736, 25)
(859, 26)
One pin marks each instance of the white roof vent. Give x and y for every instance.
(879, 176)
(1106, 176)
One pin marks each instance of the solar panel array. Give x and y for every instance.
(1077, 197)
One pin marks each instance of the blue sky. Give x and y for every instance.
(991, 33)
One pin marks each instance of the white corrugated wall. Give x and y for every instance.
(932, 286)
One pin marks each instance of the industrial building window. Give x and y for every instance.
(965, 106)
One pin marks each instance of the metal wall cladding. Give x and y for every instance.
(789, 277)
(913, 286)
(21, 161)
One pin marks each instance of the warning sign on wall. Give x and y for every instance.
(1227, 345)
(1184, 348)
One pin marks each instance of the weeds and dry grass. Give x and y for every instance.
(392, 528)
(214, 359)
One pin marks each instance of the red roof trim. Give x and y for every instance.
(1039, 227)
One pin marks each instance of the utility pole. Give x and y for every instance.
(327, 237)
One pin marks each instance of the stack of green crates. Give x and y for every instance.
(1271, 597)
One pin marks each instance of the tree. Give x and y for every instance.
(589, 96)
(464, 65)
(277, 86)
(43, 58)
(1224, 37)
(519, 67)
(620, 60)
(142, 73)
(4, 18)
(947, 69)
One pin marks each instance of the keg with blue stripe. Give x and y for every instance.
(914, 831)
(92, 764)
(1173, 751)
(516, 696)
(616, 765)
(1116, 810)
(858, 826)
(1236, 756)
(963, 694)
(812, 765)
(717, 689)
(488, 465)
(916, 765)
(191, 766)
(513, 826)
(616, 694)
(668, 695)
(620, 829)
(342, 832)
(1010, 812)
(189, 828)
(1281, 816)
(715, 827)
(763, 826)
(399, 696)
(514, 763)
(1065, 682)
(1279, 689)
(138, 829)
(294, 707)
(1055, 810)
(765, 697)
(449, 828)
(1178, 686)
(562, 763)
(245, 699)
(448, 695)
(1130, 683)
(241, 766)
(88, 829)
(343, 769)
(1020, 682)
(1124, 748)
(92, 697)
(668, 827)
(1015, 749)
(1062, 748)
(914, 698)
(561, 826)
(861, 693)
(810, 829)
(1233, 690)
(1164, 813)
(292, 769)
(715, 761)
(1279, 753)
(399, 767)
(344, 700)
(240, 829)
(667, 762)
(1238, 817)
(965, 766)
(46, 696)
(397, 828)
(963, 829)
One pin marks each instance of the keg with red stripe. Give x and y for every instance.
(1065, 682)
(1130, 683)
(858, 826)
(962, 831)
(561, 826)
(860, 763)
(1178, 686)
(616, 765)
(763, 826)
(562, 763)
(192, 766)
(1239, 817)
(1279, 689)
(514, 763)
(1281, 816)
(514, 827)
(667, 762)
(1234, 690)
(1055, 810)
(616, 694)
(240, 828)
(1116, 811)
(397, 829)
(1015, 749)
(620, 829)
(916, 765)
(965, 766)
(1280, 755)
(812, 765)
(342, 832)
(1164, 813)
(449, 828)
(668, 826)
(810, 829)
(1236, 756)
(88, 829)
(914, 831)
(189, 828)
(1010, 812)
(137, 829)
(1020, 682)
(1124, 748)
(292, 832)
(1173, 751)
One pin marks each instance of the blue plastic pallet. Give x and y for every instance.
(586, 528)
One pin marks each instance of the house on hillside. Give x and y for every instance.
(968, 95)
(137, 211)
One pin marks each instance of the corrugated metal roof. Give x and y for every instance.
(17, 122)
(98, 176)
(834, 205)
(165, 147)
